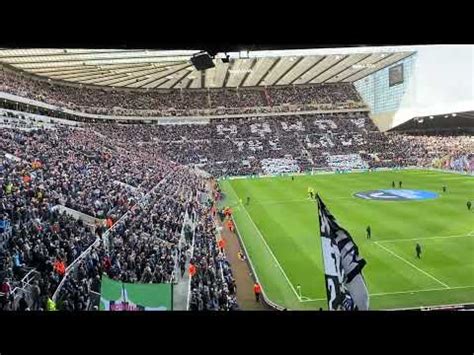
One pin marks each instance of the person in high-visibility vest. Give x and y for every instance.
(109, 222)
(230, 225)
(50, 305)
(257, 290)
(221, 244)
(59, 267)
(192, 270)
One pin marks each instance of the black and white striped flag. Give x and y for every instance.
(345, 284)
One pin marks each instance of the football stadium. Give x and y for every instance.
(276, 179)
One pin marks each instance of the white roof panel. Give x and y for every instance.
(173, 69)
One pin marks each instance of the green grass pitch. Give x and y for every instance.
(280, 232)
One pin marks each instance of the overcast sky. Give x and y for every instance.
(443, 82)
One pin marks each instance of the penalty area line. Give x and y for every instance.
(379, 294)
(470, 234)
(412, 265)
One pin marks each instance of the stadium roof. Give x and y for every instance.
(460, 120)
(155, 69)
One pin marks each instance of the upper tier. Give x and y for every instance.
(183, 102)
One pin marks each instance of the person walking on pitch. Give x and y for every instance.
(400, 184)
(393, 184)
(248, 200)
(468, 205)
(369, 232)
(418, 250)
(444, 188)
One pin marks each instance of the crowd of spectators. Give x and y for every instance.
(41, 237)
(146, 248)
(70, 164)
(146, 103)
(241, 146)
(447, 151)
(213, 286)
(316, 94)
(230, 98)
(97, 175)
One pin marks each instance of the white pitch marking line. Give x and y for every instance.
(268, 248)
(434, 307)
(275, 202)
(412, 265)
(300, 299)
(417, 291)
(469, 235)
(427, 238)
(399, 293)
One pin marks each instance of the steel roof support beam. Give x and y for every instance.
(325, 70)
(344, 69)
(268, 71)
(161, 77)
(288, 70)
(254, 62)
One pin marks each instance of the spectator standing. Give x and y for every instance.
(36, 296)
(50, 305)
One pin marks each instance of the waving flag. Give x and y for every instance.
(345, 284)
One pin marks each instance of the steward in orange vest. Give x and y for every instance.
(230, 225)
(59, 267)
(257, 290)
(192, 270)
(221, 244)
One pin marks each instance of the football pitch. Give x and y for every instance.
(279, 230)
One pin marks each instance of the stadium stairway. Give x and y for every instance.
(181, 287)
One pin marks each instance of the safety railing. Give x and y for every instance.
(105, 237)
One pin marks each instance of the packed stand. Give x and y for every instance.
(42, 238)
(454, 152)
(316, 95)
(51, 167)
(243, 146)
(246, 146)
(212, 287)
(147, 103)
(145, 248)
